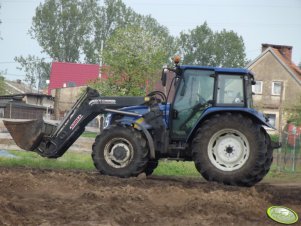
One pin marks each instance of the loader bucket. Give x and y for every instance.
(27, 134)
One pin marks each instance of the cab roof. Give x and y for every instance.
(218, 69)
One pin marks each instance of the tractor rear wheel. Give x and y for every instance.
(120, 151)
(231, 149)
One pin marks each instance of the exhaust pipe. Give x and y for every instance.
(28, 134)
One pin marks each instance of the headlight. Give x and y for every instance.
(107, 120)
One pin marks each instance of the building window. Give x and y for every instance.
(276, 88)
(257, 88)
(1, 112)
(71, 84)
(272, 119)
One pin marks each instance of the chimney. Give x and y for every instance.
(286, 51)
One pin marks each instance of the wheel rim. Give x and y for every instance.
(228, 149)
(118, 152)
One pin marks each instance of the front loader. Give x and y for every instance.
(210, 121)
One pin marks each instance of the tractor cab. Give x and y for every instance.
(200, 88)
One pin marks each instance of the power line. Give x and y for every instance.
(202, 5)
(12, 74)
(18, 1)
(15, 62)
(8, 62)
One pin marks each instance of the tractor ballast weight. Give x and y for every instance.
(210, 121)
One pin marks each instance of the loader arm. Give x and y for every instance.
(54, 142)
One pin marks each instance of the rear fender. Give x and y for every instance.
(256, 116)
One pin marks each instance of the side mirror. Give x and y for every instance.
(164, 77)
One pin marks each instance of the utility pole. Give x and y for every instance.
(57, 104)
(101, 59)
(280, 125)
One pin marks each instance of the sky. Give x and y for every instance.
(257, 21)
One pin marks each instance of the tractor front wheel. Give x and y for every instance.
(231, 149)
(120, 151)
(151, 166)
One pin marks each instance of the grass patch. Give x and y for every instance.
(286, 176)
(83, 161)
(274, 137)
(174, 168)
(30, 159)
(89, 134)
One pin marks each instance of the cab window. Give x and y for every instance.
(230, 90)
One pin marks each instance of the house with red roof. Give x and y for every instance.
(278, 82)
(64, 74)
(66, 83)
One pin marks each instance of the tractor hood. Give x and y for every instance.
(138, 109)
(142, 109)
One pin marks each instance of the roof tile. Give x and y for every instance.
(78, 74)
(289, 63)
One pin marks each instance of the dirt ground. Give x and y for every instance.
(64, 197)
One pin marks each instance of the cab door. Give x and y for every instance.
(193, 96)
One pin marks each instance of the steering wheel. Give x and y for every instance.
(201, 102)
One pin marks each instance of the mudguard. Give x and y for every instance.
(258, 117)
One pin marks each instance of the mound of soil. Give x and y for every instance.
(64, 197)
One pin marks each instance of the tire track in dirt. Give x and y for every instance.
(66, 197)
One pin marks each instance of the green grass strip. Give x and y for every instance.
(83, 161)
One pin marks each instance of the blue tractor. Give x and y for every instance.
(210, 121)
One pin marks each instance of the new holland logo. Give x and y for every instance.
(76, 121)
(282, 214)
(102, 101)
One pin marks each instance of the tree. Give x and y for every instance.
(196, 46)
(204, 47)
(229, 49)
(62, 26)
(161, 32)
(0, 23)
(134, 56)
(76, 30)
(113, 15)
(293, 112)
(36, 70)
(2, 85)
